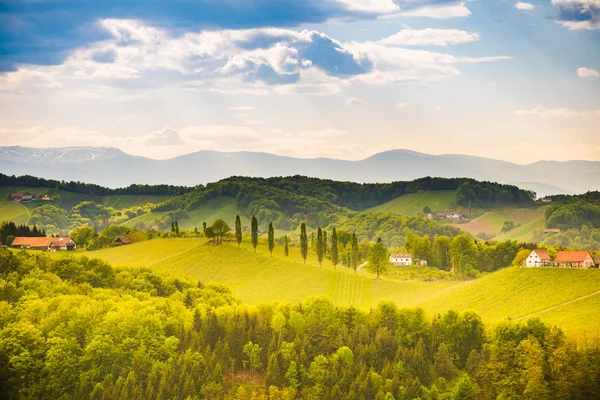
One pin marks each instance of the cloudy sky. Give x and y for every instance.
(517, 81)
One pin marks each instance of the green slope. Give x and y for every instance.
(413, 204)
(511, 293)
(119, 202)
(491, 222)
(15, 212)
(525, 232)
(519, 293)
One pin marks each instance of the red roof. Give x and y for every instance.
(123, 239)
(571, 256)
(542, 254)
(401, 255)
(47, 241)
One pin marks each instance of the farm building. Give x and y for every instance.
(597, 262)
(17, 196)
(538, 258)
(122, 240)
(451, 215)
(44, 243)
(555, 230)
(401, 259)
(574, 259)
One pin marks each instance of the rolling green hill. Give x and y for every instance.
(412, 204)
(491, 222)
(550, 294)
(525, 232)
(12, 211)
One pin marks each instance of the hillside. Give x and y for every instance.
(412, 204)
(491, 222)
(105, 167)
(512, 292)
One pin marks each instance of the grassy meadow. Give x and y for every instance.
(412, 204)
(553, 295)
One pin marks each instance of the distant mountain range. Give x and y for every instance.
(113, 168)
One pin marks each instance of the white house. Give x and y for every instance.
(401, 259)
(538, 258)
(451, 215)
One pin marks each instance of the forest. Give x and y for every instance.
(574, 212)
(92, 189)
(80, 328)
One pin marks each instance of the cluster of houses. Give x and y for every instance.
(405, 260)
(564, 259)
(449, 215)
(23, 197)
(47, 243)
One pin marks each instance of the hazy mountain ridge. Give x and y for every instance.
(113, 168)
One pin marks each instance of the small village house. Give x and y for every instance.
(46, 197)
(26, 198)
(453, 215)
(17, 196)
(47, 243)
(121, 240)
(597, 262)
(574, 259)
(554, 230)
(401, 259)
(538, 258)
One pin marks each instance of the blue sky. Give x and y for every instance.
(517, 81)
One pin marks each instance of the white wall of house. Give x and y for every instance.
(401, 261)
(534, 260)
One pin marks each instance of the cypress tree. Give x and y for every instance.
(204, 227)
(254, 228)
(238, 230)
(334, 249)
(320, 245)
(303, 242)
(354, 253)
(324, 242)
(286, 249)
(271, 238)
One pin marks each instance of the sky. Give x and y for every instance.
(345, 79)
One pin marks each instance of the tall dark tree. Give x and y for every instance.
(238, 230)
(254, 231)
(286, 249)
(303, 242)
(220, 228)
(271, 238)
(177, 228)
(354, 253)
(320, 245)
(204, 227)
(334, 249)
(325, 246)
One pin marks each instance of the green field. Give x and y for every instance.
(413, 204)
(491, 222)
(70, 200)
(554, 295)
(525, 232)
(13, 211)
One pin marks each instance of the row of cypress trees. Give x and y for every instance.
(321, 241)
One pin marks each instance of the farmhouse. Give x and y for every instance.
(17, 196)
(46, 197)
(451, 215)
(556, 230)
(574, 259)
(401, 259)
(44, 243)
(122, 240)
(26, 198)
(538, 258)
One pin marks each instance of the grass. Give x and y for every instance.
(525, 232)
(413, 204)
(224, 208)
(519, 292)
(491, 222)
(13, 211)
(257, 277)
(119, 202)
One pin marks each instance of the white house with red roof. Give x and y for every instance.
(538, 258)
(574, 259)
(401, 259)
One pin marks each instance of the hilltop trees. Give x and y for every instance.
(254, 232)
(220, 228)
(334, 249)
(271, 238)
(238, 230)
(378, 259)
(83, 235)
(303, 242)
(320, 250)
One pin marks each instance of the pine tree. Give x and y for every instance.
(286, 249)
(204, 227)
(197, 321)
(254, 232)
(238, 230)
(325, 242)
(320, 245)
(189, 300)
(334, 249)
(177, 228)
(354, 253)
(271, 238)
(303, 242)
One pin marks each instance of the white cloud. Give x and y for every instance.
(578, 14)
(165, 137)
(401, 105)
(588, 73)
(524, 6)
(355, 101)
(308, 89)
(371, 6)
(430, 37)
(440, 11)
(545, 112)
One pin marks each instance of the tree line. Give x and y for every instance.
(92, 189)
(9, 230)
(80, 328)
(574, 212)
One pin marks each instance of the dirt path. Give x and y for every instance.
(360, 266)
(558, 305)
